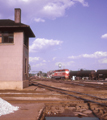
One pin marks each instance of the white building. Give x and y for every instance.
(14, 52)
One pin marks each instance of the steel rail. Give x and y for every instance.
(84, 84)
(82, 93)
(61, 91)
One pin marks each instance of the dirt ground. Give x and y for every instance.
(35, 103)
(29, 111)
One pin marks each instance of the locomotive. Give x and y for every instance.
(66, 74)
(60, 74)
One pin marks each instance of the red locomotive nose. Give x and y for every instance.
(62, 73)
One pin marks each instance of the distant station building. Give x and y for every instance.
(14, 52)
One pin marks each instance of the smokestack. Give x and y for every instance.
(17, 15)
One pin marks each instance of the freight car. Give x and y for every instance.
(91, 74)
(101, 74)
(83, 73)
(60, 74)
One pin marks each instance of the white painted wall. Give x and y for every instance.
(11, 62)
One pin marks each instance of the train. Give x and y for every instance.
(79, 74)
(61, 74)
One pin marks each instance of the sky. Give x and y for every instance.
(72, 33)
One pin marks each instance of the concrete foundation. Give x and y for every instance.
(13, 85)
(16, 85)
(25, 83)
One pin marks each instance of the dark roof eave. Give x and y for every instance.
(26, 29)
(14, 26)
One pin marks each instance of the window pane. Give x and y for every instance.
(5, 34)
(25, 65)
(10, 39)
(5, 40)
(0, 39)
(26, 40)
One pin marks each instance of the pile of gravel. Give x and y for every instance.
(6, 108)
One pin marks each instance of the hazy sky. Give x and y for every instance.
(70, 32)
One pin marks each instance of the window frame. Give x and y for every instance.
(26, 41)
(10, 38)
(25, 67)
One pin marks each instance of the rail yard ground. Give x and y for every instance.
(82, 99)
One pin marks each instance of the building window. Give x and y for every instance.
(26, 40)
(6, 37)
(25, 65)
(0, 39)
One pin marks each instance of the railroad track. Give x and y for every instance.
(80, 83)
(74, 94)
(97, 86)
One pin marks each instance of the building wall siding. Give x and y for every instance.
(11, 62)
(25, 56)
